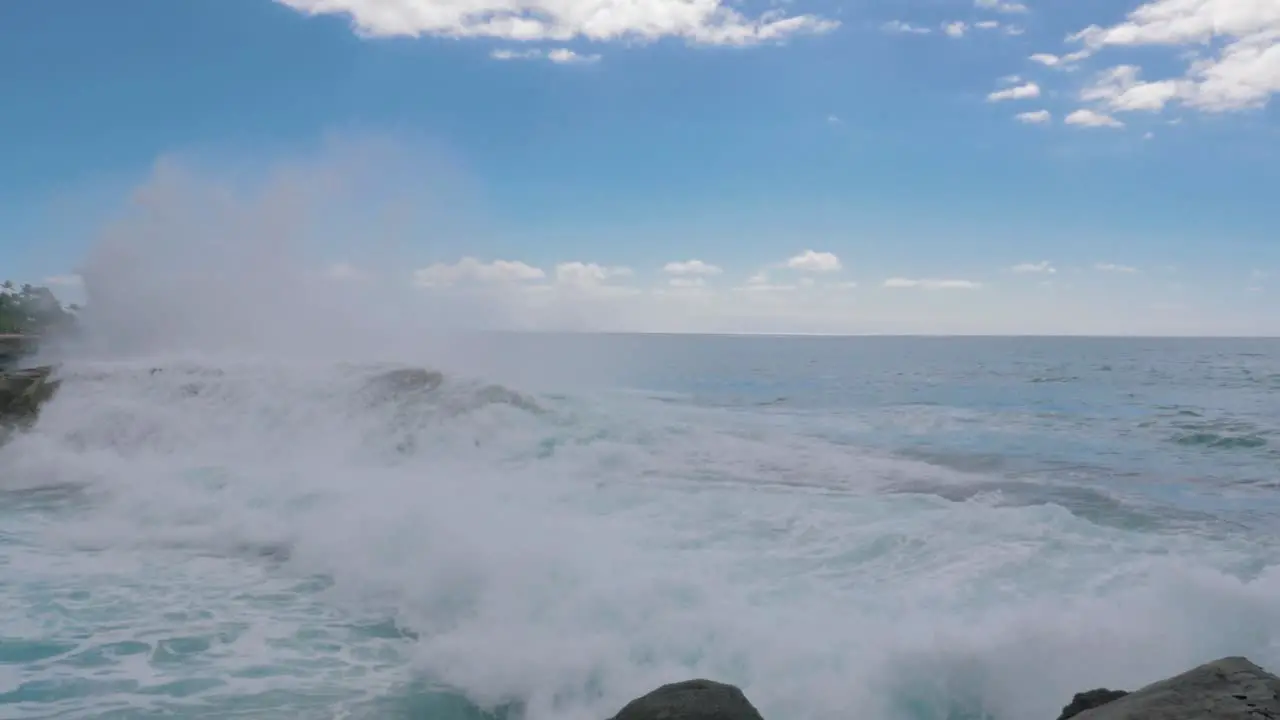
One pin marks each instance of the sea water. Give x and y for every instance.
(872, 528)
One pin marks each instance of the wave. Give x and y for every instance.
(366, 540)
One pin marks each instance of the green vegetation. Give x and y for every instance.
(31, 310)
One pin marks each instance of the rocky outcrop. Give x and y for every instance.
(1089, 700)
(691, 700)
(406, 380)
(1228, 689)
(399, 384)
(22, 392)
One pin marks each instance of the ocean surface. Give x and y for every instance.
(870, 528)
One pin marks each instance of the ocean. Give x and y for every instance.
(871, 528)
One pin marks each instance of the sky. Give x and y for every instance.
(790, 166)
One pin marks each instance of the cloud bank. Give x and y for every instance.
(312, 253)
(706, 23)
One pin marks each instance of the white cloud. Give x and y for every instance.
(931, 284)
(1119, 89)
(469, 269)
(707, 22)
(235, 241)
(955, 29)
(506, 54)
(834, 120)
(1244, 74)
(812, 261)
(1044, 266)
(1061, 62)
(1003, 6)
(1090, 118)
(563, 56)
(559, 56)
(582, 274)
(1018, 92)
(1114, 268)
(691, 267)
(1035, 117)
(987, 24)
(898, 26)
(687, 282)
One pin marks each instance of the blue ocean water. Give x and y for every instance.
(886, 528)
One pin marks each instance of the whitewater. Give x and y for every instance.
(889, 529)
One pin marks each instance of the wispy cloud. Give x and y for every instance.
(1089, 118)
(470, 269)
(691, 267)
(1035, 117)
(1114, 268)
(1018, 92)
(931, 284)
(559, 56)
(905, 28)
(1044, 266)
(1004, 6)
(64, 280)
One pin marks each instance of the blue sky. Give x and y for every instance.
(907, 166)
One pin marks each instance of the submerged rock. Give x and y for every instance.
(409, 379)
(495, 394)
(1089, 700)
(22, 392)
(393, 385)
(1228, 689)
(691, 700)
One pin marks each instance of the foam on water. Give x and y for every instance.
(261, 538)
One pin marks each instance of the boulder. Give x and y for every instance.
(1228, 689)
(394, 384)
(691, 700)
(22, 392)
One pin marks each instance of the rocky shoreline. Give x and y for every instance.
(1231, 688)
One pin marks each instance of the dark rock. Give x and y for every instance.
(1089, 700)
(22, 392)
(395, 383)
(14, 347)
(691, 700)
(496, 394)
(1228, 689)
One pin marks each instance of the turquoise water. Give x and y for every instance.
(897, 529)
